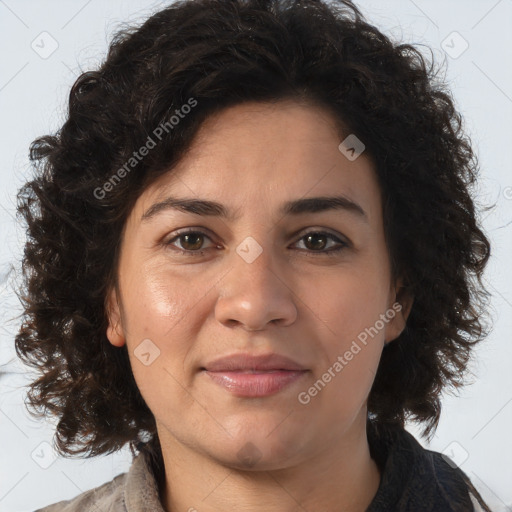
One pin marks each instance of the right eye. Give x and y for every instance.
(191, 242)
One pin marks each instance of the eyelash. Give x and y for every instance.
(309, 252)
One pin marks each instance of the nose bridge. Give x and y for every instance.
(254, 293)
(255, 260)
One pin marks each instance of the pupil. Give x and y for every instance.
(313, 237)
(187, 241)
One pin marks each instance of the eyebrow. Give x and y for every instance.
(295, 207)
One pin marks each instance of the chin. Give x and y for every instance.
(254, 456)
(260, 446)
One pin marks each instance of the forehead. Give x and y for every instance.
(257, 154)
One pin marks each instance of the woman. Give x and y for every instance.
(252, 256)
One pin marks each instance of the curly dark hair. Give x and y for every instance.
(219, 53)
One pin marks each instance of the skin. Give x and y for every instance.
(292, 299)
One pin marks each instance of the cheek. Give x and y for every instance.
(158, 325)
(345, 380)
(162, 326)
(159, 300)
(349, 302)
(349, 306)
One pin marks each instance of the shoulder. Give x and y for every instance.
(450, 476)
(108, 496)
(134, 491)
(415, 478)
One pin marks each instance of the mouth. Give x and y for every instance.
(250, 375)
(255, 383)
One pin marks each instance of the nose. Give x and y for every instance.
(256, 294)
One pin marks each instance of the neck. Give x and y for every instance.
(341, 478)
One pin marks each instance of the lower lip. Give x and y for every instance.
(247, 384)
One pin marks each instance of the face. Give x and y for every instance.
(310, 284)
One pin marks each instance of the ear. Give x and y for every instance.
(115, 332)
(401, 300)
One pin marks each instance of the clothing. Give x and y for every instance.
(413, 479)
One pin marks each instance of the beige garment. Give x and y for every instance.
(134, 491)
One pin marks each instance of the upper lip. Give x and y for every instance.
(263, 362)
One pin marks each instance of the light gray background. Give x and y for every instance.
(475, 426)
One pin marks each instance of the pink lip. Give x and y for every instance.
(248, 362)
(255, 384)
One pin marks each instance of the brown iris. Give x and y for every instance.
(315, 238)
(189, 238)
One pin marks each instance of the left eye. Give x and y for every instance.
(191, 242)
(313, 238)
